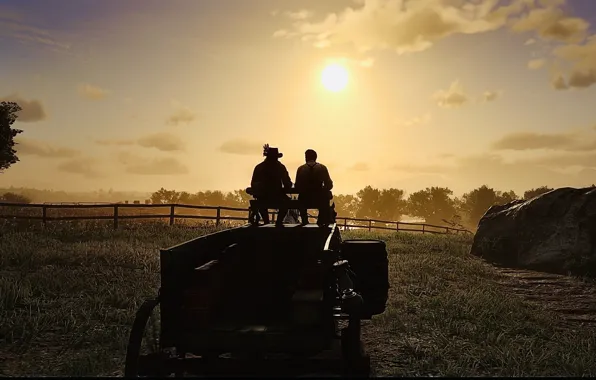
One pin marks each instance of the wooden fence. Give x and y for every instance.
(118, 213)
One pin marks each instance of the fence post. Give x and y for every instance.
(218, 216)
(424, 225)
(397, 226)
(115, 217)
(345, 224)
(44, 214)
(369, 225)
(172, 214)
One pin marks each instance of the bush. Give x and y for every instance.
(14, 198)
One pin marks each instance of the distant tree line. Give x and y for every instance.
(434, 205)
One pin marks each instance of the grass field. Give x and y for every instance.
(68, 298)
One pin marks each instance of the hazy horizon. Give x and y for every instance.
(136, 96)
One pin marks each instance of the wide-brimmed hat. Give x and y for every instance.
(271, 152)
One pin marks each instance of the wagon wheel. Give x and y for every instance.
(147, 349)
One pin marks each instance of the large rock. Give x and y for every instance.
(554, 232)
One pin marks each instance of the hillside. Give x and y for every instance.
(68, 299)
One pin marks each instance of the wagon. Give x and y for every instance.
(261, 300)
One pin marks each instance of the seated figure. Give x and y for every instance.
(270, 180)
(314, 184)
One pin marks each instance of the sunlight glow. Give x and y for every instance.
(334, 78)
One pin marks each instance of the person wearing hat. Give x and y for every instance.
(314, 185)
(270, 180)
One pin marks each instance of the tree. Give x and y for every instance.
(529, 194)
(8, 115)
(345, 205)
(14, 198)
(433, 204)
(391, 204)
(163, 196)
(506, 197)
(477, 202)
(367, 202)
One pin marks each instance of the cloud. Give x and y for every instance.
(115, 142)
(242, 147)
(14, 25)
(87, 167)
(410, 26)
(181, 115)
(299, 15)
(31, 147)
(521, 141)
(92, 92)
(582, 58)
(32, 110)
(157, 166)
(558, 82)
(536, 64)
(552, 23)
(418, 120)
(453, 97)
(564, 160)
(490, 96)
(359, 167)
(163, 141)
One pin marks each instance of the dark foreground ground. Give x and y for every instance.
(68, 296)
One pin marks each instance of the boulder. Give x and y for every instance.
(553, 232)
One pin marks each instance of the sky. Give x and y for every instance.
(143, 94)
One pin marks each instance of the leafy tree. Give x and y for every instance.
(433, 204)
(8, 115)
(163, 196)
(345, 205)
(14, 198)
(391, 204)
(367, 202)
(529, 194)
(506, 197)
(242, 198)
(477, 202)
(211, 198)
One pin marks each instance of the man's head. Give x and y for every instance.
(310, 155)
(271, 153)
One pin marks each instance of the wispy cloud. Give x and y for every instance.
(241, 147)
(32, 147)
(14, 24)
(134, 164)
(163, 141)
(92, 92)
(181, 115)
(85, 166)
(31, 110)
(453, 97)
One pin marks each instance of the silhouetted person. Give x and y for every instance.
(270, 179)
(314, 184)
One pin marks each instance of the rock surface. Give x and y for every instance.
(554, 232)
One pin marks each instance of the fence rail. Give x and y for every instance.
(343, 222)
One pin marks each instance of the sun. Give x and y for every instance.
(334, 77)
